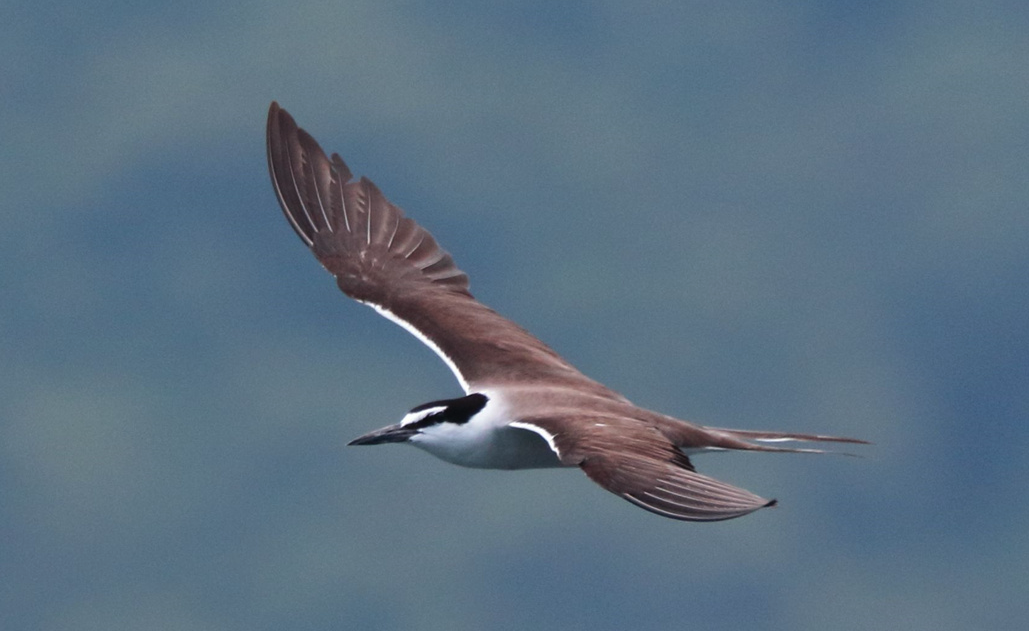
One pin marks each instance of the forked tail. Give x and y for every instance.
(752, 440)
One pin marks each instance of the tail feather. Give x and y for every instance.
(745, 439)
(776, 437)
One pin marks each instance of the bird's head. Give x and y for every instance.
(427, 420)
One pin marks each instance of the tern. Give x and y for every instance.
(524, 405)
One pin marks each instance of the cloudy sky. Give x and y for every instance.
(802, 216)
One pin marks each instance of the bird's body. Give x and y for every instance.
(486, 440)
(525, 406)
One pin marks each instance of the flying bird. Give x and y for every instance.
(524, 405)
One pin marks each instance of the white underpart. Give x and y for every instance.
(389, 315)
(489, 441)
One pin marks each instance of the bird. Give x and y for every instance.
(524, 405)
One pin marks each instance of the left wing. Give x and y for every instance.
(638, 463)
(384, 259)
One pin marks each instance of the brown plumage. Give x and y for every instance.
(539, 410)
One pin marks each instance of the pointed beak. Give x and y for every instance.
(391, 434)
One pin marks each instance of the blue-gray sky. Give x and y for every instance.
(801, 216)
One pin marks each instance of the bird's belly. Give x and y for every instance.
(502, 448)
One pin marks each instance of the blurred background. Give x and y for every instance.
(805, 216)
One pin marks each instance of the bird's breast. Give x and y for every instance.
(485, 446)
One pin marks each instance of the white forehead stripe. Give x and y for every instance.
(547, 436)
(414, 417)
(389, 315)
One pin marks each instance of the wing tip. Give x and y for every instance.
(698, 515)
(671, 488)
(280, 129)
(318, 196)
